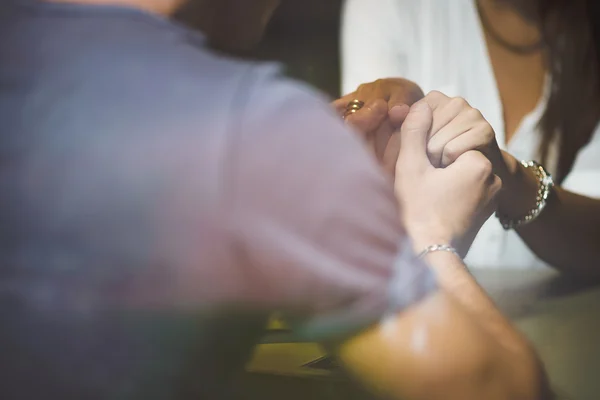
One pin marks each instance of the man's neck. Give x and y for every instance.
(161, 7)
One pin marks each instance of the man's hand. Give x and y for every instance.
(457, 128)
(441, 205)
(386, 105)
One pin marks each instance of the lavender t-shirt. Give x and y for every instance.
(158, 201)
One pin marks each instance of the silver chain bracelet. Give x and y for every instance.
(438, 247)
(545, 185)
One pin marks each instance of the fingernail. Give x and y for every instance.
(399, 111)
(399, 107)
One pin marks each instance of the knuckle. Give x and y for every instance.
(451, 152)
(471, 157)
(435, 94)
(474, 114)
(436, 99)
(459, 102)
(379, 106)
(485, 166)
(488, 133)
(434, 149)
(362, 87)
(484, 131)
(479, 163)
(398, 81)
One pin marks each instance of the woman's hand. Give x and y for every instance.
(441, 205)
(394, 91)
(386, 105)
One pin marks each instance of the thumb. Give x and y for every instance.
(413, 137)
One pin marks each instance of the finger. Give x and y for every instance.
(456, 127)
(391, 153)
(340, 104)
(446, 149)
(398, 114)
(410, 94)
(446, 111)
(436, 99)
(370, 117)
(473, 166)
(450, 151)
(413, 138)
(371, 145)
(381, 138)
(473, 139)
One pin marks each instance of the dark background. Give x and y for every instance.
(304, 35)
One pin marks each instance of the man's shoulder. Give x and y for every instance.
(192, 76)
(173, 81)
(182, 67)
(230, 91)
(117, 60)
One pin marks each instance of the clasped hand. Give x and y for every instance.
(442, 152)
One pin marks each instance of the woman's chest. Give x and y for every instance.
(456, 59)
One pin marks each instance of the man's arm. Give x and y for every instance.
(443, 348)
(456, 344)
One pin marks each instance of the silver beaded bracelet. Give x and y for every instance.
(545, 185)
(438, 247)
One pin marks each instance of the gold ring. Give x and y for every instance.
(353, 107)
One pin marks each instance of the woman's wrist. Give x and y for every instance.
(519, 188)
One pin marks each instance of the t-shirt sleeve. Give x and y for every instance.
(377, 40)
(315, 219)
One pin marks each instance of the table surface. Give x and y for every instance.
(559, 316)
(562, 320)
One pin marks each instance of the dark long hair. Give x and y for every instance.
(571, 34)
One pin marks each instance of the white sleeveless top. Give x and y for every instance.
(440, 45)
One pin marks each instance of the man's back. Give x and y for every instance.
(148, 188)
(100, 114)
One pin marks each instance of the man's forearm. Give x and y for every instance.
(515, 357)
(454, 278)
